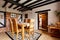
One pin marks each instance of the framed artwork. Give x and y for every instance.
(13, 15)
(2, 19)
(18, 16)
(26, 15)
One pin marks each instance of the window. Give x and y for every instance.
(2, 19)
(20, 18)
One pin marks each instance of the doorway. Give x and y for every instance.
(43, 20)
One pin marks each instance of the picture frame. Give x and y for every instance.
(2, 19)
(13, 15)
(26, 15)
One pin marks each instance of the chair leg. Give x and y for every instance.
(17, 36)
(12, 34)
(33, 33)
(29, 35)
(12, 31)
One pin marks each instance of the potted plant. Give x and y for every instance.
(58, 14)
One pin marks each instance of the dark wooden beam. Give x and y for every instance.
(10, 5)
(20, 8)
(23, 10)
(17, 0)
(43, 10)
(39, 3)
(46, 4)
(33, 2)
(15, 7)
(26, 2)
(16, 3)
(6, 2)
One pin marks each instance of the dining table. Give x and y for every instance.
(22, 25)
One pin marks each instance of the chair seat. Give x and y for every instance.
(26, 27)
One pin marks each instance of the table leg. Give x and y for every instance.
(22, 33)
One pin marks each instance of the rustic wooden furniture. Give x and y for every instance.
(11, 26)
(30, 27)
(54, 30)
(18, 27)
(22, 25)
(15, 27)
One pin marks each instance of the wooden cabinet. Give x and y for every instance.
(54, 31)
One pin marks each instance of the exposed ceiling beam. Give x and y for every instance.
(39, 3)
(16, 3)
(20, 8)
(5, 4)
(23, 10)
(13, 4)
(33, 2)
(15, 7)
(46, 4)
(10, 5)
(17, 0)
(26, 2)
(43, 11)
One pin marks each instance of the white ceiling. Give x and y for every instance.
(21, 1)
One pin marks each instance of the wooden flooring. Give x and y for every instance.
(46, 36)
(4, 36)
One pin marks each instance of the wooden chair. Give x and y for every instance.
(30, 28)
(15, 27)
(11, 26)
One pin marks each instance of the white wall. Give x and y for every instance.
(51, 14)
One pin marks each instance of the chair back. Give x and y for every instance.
(15, 24)
(30, 21)
(11, 24)
(27, 20)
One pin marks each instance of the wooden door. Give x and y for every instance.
(43, 20)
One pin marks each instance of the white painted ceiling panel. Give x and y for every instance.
(14, 6)
(22, 1)
(1, 3)
(8, 4)
(30, 2)
(37, 2)
(44, 3)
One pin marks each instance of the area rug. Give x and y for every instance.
(35, 37)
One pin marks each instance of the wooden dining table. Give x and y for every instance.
(22, 25)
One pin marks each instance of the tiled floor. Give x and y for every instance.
(44, 36)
